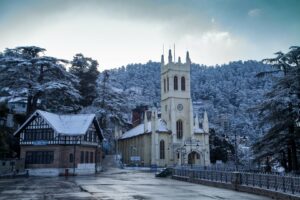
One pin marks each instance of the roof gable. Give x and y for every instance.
(161, 127)
(70, 125)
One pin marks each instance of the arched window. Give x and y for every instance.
(164, 85)
(167, 83)
(182, 83)
(162, 149)
(175, 83)
(179, 129)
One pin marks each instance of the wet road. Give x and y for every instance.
(114, 184)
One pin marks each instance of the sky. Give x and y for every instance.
(120, 32)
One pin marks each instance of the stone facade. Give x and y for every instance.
(173, 136)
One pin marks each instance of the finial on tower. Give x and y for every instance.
(188, 60)
(205, 123)
(154, 113)
(174, 53)
(145, 121)
(170, 56)
(197, 121)
(179, 60)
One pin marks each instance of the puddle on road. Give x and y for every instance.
(118, 173)
(140, 197)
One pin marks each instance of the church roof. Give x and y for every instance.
(198, 130)
(76, 124)
(139, 130)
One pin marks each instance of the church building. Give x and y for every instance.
(171, 136)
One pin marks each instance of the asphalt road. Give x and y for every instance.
(114, 184)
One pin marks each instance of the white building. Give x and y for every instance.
(175, 138)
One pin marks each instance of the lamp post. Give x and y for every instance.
(235, 149)
(236, 152)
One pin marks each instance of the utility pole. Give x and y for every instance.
(236, 152)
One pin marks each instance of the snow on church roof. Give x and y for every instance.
(139, 130)
(198, 130)
(65, 124)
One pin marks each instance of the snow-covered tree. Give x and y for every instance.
(228, 90)
(111, 103)
(281, 111)
(86, 70)
(25, 71)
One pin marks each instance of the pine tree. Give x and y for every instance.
(25, 72)
(86, 70)
(111, 103)
(281, 111)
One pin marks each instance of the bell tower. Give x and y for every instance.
(176, 104)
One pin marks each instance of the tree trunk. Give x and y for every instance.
(292, 145)
(289, 159)
(32, 102)
(29, 106)
(294, 155)
(283, 161)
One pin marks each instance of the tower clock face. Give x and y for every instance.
(179, 107)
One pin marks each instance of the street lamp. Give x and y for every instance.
(235, 149)
(236, 152)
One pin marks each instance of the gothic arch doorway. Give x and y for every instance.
(193, 158)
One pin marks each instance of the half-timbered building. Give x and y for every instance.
(53, 144)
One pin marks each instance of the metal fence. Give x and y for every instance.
(285, 184)
(223, 167)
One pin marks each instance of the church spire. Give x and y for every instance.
(170, 56)
(179, 60)
(205, 123)
(162, 60)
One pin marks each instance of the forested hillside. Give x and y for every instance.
(228, 92)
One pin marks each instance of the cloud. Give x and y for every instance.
(125, 31)
(254, 12)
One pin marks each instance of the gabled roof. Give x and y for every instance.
(71, 125)
(139, 130)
